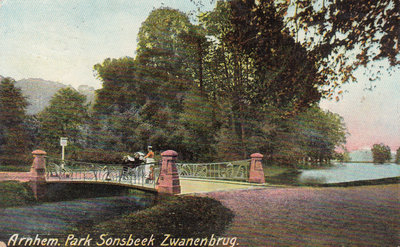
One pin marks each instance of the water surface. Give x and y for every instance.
(338, 173)
(349, 172)
(57, 217)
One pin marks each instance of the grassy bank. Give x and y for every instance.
(272, 171)
(393, 180)
(15, 194)
(186, 216)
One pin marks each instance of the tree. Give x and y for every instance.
(341, 35)
(309, 138)
(199, 121)
(64, 117)
(381, 153)
(14, 140)
(164, 56)
(344, 35)
(121, 87)
(142, 98)
(343, 156)
(253, 66)
(397, 159)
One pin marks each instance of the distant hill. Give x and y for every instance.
(361, 155)
(88, 92)
(364, 155)
(39, 92)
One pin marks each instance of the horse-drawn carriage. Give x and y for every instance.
(138, 165)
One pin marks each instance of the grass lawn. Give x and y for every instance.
(271, 171)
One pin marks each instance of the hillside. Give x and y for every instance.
(39, 92)
(361, 155)
(364, 155)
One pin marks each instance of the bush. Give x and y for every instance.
(26, 168)
(96, 156)
(186, 216)
(15, 194)
(20, 162)
(381, 153)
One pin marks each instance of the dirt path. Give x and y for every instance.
(354, 216)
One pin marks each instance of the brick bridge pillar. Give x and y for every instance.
(168, 181)
(256, 169)
(38, 174)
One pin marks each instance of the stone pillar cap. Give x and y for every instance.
(169, 153)
(39, 152)
(256, 155)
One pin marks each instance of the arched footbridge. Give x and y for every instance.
(166, 176)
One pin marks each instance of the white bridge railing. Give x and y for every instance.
(233, 170)
(68, 170)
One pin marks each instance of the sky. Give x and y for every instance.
(60, 40)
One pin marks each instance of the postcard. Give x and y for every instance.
(199, 123)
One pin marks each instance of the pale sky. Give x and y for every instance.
(61, 40)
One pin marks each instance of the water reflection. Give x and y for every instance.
(349, 172)
(338, 173)
(57, 217)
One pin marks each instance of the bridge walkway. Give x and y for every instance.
(198, 186)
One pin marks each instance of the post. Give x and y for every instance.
(63, 143)
(256, 170)
(62, 153)
(38, 174)
(168, 181)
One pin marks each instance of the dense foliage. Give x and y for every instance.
(309, 138)
(381, 153)
(187, 216)
(15, 194)
(345, 35)
(341, 36)
(64, 117)
(222, 89)
(14, 141)
(397, 158)
(235, 83)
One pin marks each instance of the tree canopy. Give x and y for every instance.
(232, 85)
(341, 36)
(381, 153)
(14, 140)
(64, 117)
(344, 35)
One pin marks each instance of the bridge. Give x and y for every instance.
(165, 176)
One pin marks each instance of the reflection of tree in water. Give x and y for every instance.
(58, 217)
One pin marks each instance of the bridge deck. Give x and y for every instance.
(193, 186)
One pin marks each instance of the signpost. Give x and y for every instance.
(63, 143)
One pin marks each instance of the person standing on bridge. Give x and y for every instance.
(149, 163)
(150, 155)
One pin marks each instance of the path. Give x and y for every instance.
(194, 186)
(354, 216)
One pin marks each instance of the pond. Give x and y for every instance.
(57, 217)
(339, 173)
